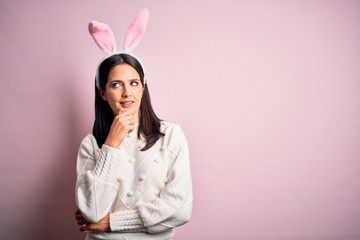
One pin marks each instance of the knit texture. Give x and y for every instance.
(144, 191)
(126, 221)
(107, 164)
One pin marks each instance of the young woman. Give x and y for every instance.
(133, 171)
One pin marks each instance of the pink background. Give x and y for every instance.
(266, 91)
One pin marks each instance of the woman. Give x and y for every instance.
(133, 171)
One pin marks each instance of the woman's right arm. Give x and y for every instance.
(96, 186)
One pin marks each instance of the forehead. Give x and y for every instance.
(123, 72)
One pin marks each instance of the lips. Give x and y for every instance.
(126, 104)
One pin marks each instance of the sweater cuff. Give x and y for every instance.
(126, 221)
(107, 163)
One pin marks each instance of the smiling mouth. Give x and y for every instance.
(127, 104)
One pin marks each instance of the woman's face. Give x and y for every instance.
(123, 90)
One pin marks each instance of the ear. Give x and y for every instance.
(136, 30)
(103, 36)
(102, 94)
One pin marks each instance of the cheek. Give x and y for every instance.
(113, 100)
(113, 96)
(139, 94)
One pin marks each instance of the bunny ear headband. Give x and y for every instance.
(104, 38)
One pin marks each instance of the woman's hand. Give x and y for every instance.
(123, 124)
(102, 226)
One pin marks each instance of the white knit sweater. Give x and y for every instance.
(147, 193)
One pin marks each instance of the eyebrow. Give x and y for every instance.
(118, 80)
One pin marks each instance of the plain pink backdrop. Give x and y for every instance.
(266, 91)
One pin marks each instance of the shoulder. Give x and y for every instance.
(89, 143)
(169, 128)
(174, 135)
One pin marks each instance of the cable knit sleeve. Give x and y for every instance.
(173, 206)
(126, 221)
(96, 175)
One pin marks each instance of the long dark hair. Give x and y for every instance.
(149, 125)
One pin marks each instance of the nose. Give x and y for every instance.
(126, 91)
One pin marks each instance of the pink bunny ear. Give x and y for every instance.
(136, 30)
(103, 36)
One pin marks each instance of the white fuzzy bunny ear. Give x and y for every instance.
(136, 30)
(103, 37)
